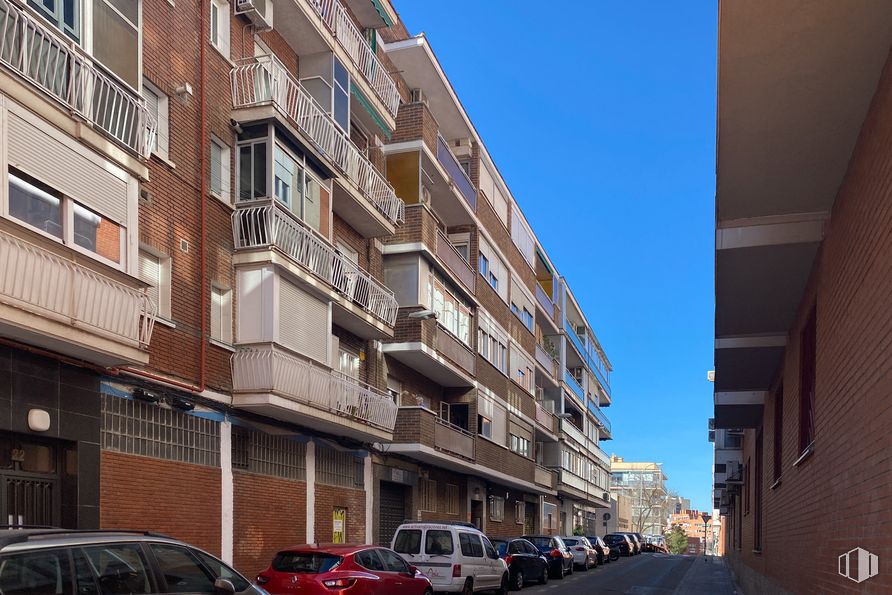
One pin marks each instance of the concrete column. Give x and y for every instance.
(311, 492)
(226, 490)
(369, 482)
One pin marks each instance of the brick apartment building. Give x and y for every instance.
(261, 283)
(803, 246)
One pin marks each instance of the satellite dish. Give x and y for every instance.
(606, 516)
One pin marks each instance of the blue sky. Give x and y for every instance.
(601, 117)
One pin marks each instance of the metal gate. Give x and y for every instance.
(392, 508)
(529, 518)
(28, 500)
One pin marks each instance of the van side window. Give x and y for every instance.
(408, 541)
(490, 551)
(470, 545)
(438, 543)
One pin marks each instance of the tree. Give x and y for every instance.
(651, 503)
(677, 540)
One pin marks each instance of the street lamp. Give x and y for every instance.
(706, 516)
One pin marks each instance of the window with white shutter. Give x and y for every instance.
(154, 269)
(221, 314)
(159, 106)
(220, 170)
(219, 31)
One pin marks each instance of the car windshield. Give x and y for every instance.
(408, 541)
(305, 562)
(543, 543)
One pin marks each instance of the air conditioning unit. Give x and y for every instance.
(461, 147)
(425, 195)
(418, 96)
(259, 12)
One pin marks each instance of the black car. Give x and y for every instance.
(602, 548)
(620, 541)
(636, 545)
(641, 541)
(560, 560)
(525, 562)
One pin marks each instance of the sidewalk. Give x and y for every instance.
(708, 575)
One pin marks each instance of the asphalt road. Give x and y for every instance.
(646, 574)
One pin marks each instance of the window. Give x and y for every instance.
(451, 499)
(438, 542)
(470, 545)
(341, 99)
(520, 445)
(807, 373)
(484, 266)
(116, 39)
(370, 560)
(60, 217)
(519, 512)
(394, 389)
(348, 363)
(462, 244)
(490, 550)
(154, 269)
(492, 341)
(493, 270)
(182, 571)
(252, 170)
(64, 14)
(220, 26)
(408, 541)
(484, 426)
(220, 170)
(427, 495)
(221, 314)
(158, 105)
(294, 185)
(221, 570)
(41, 571)
(392, 562)
(113, 561)
(496, 508)
(452, 314)
(778, 430)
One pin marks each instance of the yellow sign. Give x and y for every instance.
(339, 525)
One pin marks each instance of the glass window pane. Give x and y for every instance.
(313, 193)
(116, 43)
(97, 234)
(392, 562)
(341, 76)
(120, 568)
(181, 570)
(35, 206)
(42, 571)
(221, 570)
(128, 8)
(438, 542)
(341, 108)
(216, 169)
(245, 183)
(39, 458)
(260, 171)
(408, 541)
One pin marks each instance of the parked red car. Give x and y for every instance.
(342, 569)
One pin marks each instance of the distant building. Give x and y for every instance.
(619, 517)
(644, 484)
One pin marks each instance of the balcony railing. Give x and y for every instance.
(43, 283)
(63, 71)
(447, 253)
(572, 431)
(270, 225)
(454, 439)
(266, 81)
(546, 419)
(599, 454)
(574, 385)
(599, 417)
(545, 477)
(544, 301)
(547, 360)
(338, 21)
(456, 172)
(275, 371)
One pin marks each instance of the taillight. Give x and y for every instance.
(556, 553)
(508, 560)
(339, 583)
(580, 549)
(456, 570)
(262, 580)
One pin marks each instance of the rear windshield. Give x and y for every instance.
(408, 541)
(309, 562)
(438, 543)
(572, 542)
(543, 543)
(613, 538)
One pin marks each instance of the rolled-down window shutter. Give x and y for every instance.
(500, 424)
(150, 272)
(303, 322)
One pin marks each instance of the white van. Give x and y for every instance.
(457, 557)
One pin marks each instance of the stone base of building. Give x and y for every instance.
(751, 581)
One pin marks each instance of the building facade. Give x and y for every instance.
(644, 484)
(257, 251)
(619, 517)
(802, 292)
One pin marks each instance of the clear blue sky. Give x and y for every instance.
(601, 116)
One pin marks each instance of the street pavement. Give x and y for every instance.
(647, 574)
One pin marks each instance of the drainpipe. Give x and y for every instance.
(202, 148)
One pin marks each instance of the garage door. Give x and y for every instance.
(392, 511)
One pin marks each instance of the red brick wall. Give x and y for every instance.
(840, 497)
(176, 499)
(270, 514)
(327, 497)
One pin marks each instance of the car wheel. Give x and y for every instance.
(518, 582)
(503, 587)
(543, 580)
(428, 592)
(468, 589)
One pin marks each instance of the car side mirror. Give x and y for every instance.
(412, 570)
(223, 586)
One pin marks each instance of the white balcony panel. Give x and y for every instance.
(60, 69)
(274, 382)
(61, 305)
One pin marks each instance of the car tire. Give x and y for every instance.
(518, 582)
(468, 589)
(543, 580)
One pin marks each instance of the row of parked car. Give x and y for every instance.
(423, 558)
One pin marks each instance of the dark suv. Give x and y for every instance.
(560, 560)
(57, 561)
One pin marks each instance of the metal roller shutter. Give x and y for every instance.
(392, 509)
(303, 322)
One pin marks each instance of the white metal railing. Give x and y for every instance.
(271, 225)
(273, 370)
(65, 72)
(265, 80)
(338, 21)
(43, 283)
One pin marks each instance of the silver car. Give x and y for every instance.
(53, 560)
(584, 555)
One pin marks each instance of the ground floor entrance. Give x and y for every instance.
(30, 481)
(392, 507)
